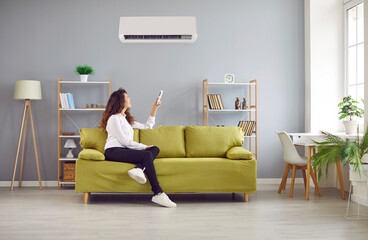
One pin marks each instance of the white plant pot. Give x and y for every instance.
(360, 184)
(351, 127)
(83, 77)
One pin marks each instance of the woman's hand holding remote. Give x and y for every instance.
(155, 107)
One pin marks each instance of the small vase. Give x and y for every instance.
(84, 77)
(351, 127)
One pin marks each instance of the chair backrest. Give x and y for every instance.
(291, 155)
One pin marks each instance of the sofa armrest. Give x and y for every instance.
(91, 154)
(239, 153)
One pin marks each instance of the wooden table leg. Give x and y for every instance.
(308, 173)
(338, 166)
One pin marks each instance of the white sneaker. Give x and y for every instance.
(163, 200)
(138, 175)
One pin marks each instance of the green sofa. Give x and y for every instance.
(191, 159)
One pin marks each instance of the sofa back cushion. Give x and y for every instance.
(95, 138)
(170, 140)
(204, 141)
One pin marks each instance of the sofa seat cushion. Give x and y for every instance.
(239, 153)
(174, 175)
(91, 154)
(170, 140)
(211, 141)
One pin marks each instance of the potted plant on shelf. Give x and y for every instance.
(348, 108)
(84, 71)
(354, 152)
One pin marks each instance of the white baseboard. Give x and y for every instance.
(260, 181)
(29, 183)
(263, 181)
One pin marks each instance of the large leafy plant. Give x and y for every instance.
(348, 108)
(335, 148)
(84, 70)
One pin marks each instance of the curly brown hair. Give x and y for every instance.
(116, 105)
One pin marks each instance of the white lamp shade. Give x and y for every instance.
(70, 144)
(28, 89)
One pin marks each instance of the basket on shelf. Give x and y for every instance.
(69, 172)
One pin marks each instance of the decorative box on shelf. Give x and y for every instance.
(69, 172)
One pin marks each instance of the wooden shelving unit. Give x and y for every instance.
(61, 160)
(252, 85)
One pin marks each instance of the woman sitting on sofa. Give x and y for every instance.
(120, 147)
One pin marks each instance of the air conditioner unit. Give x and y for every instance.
(158, 29)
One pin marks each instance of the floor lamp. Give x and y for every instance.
(26, 90)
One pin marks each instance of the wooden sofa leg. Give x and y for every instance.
(245, 197)
(85, 197)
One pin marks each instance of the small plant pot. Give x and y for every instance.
(351, 127)
(83, 77)
(360, 184)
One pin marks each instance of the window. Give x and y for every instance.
(354, 50)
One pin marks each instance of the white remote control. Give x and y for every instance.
(159, 97)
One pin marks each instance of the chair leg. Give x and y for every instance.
(85, 197)
(315, 182)
(304, 179)
(245, 197)
(284, 186)
(284, 178)
(292, 182)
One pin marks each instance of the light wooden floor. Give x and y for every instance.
(29, 213)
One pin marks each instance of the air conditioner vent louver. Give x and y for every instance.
(158, 37)
(158, 29)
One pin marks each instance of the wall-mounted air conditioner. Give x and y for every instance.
(158, 29)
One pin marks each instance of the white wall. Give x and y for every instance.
(365, 64)
(324, 64)
(324, 70)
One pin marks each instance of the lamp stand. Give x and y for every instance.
(27, 108)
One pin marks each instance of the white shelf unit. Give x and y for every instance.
(69, 136)
(252, 85)
(68, 159)
(67, 183)
(61, 160)
(231, 110)
(79, 82)
(82, 109)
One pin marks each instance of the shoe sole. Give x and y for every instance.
(163, 205)
(137, 179)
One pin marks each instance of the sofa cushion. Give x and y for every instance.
(239, 153)
(95, 138)
(91, 154)
(174, 175)
(170, 140)
(204, 141)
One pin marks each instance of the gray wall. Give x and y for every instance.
(44, 40)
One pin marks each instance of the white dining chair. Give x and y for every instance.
(295, 161)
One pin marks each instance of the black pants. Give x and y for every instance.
(143, 159)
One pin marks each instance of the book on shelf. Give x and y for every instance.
(70, 100)
(209, 101)
(67, 101)
(215, 101)
(220, 101)
(247, 127)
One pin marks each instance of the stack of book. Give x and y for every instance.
(66, 100)
(215, 101)
(247, 127)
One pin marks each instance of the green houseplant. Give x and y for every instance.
(354, 152)
(84, 71)
(349, 109)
